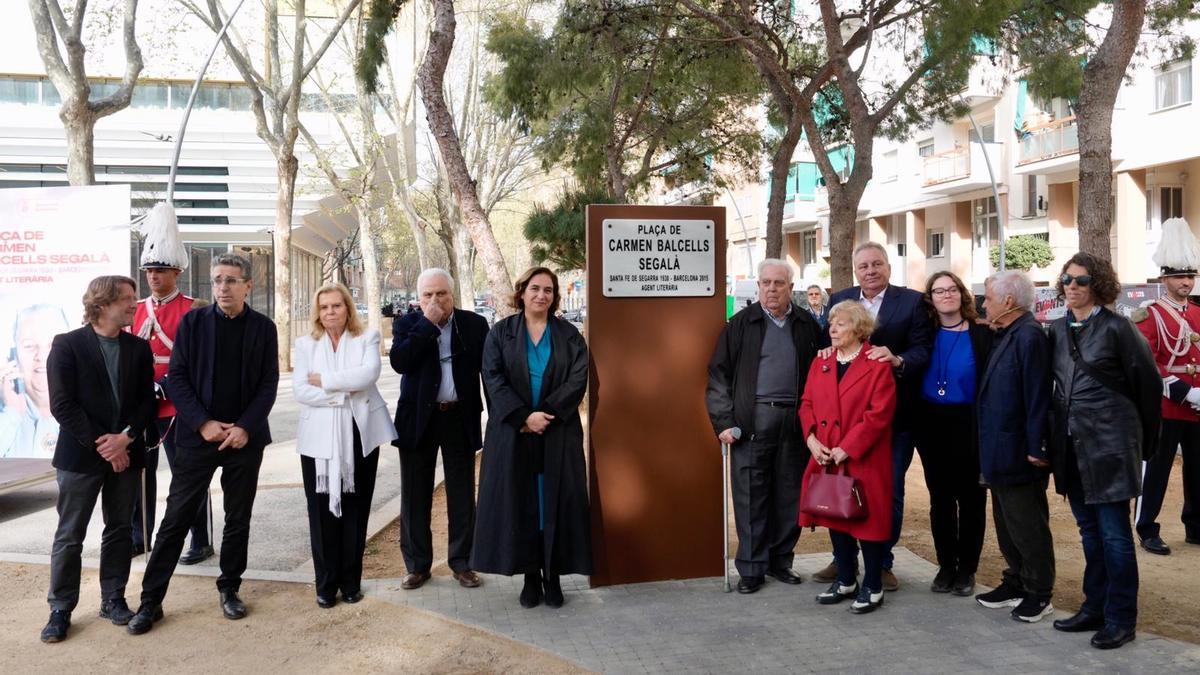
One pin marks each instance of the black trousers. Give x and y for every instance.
(1157, 474)
(194, 469)
(767, 470)
(1022, 517)
(957, 502)
(338, 543)
(447, 430)
(77, 494)
(201, 526)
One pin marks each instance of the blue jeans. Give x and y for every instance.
(1110, 573)
(902, 455)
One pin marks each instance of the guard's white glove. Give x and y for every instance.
(1193, 397)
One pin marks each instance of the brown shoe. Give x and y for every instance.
(467, 579)
(890, 582)
(414, 581)
(828, 575)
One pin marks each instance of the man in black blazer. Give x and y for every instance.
(223, 377)
(101, 382)
(439, 352)
(904, 338)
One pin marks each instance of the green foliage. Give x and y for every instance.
(624, 76)
(380, 19)
(1022, 252)
(557, 234)
(1054, 40)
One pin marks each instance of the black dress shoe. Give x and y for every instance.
(326, 602)
(531, 593)
(943, 581)
(116, 610)
(553, 591)
(56, 627)
(352, 597)
(197, 555)
(232, 606)
(787, 575)
(1156, 546)
(1111, 637)
(144, 620)
(1192, 540)
(1080, 623)
(747, 585)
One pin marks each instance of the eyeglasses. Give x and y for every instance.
(1084, 280)
(227, 281)
(941, 292)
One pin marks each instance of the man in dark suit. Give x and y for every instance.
(904, 338)
(223, 377)
(439, 352)
(101, 383)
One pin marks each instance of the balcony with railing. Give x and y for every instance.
(1056, 138)
(962, 168)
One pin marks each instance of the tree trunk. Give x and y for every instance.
(286, 169)
(618, 185)
(80, 125)
(370, 259)
(842, 219)
(464, 265)
(1102, 78)
(781, 163)
(441, 124)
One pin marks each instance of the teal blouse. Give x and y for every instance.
(538, 356)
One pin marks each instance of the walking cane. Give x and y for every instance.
(725, 513)
(145, 532)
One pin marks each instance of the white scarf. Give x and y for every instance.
(338, 469)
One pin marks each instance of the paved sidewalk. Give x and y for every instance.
(691, 626)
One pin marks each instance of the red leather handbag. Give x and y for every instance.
(833, 494)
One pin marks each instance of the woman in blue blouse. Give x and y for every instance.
(946, 438)
(533, 505)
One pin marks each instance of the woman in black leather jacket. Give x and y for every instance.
(1104, 419)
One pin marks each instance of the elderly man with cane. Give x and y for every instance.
(755, 378)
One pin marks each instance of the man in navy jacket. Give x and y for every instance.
(223, 377)
(904, 338)
(1013, 399)
(439, 352)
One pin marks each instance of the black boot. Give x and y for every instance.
(531, 594)
(554, 596)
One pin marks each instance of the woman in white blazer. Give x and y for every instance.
(343, 420)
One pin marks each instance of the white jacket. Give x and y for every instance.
(316, 434)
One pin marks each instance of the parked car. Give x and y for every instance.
(487, 313)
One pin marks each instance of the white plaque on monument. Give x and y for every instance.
(646, 258)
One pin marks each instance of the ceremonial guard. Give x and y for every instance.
(163, 259)
(1171, 325)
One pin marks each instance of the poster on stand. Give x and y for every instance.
(53, 241)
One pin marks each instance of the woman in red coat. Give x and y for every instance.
(846, 417)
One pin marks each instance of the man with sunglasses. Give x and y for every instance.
(223, 376)
(1171, 325)
(439, 352)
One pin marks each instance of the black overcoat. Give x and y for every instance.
(568, 543)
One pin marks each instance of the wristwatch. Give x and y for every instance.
(128, 431)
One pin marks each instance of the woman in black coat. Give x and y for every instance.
(533, 499)
(946, 433)
(1104, 420)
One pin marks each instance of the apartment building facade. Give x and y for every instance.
(226, 188)
(931, 200)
